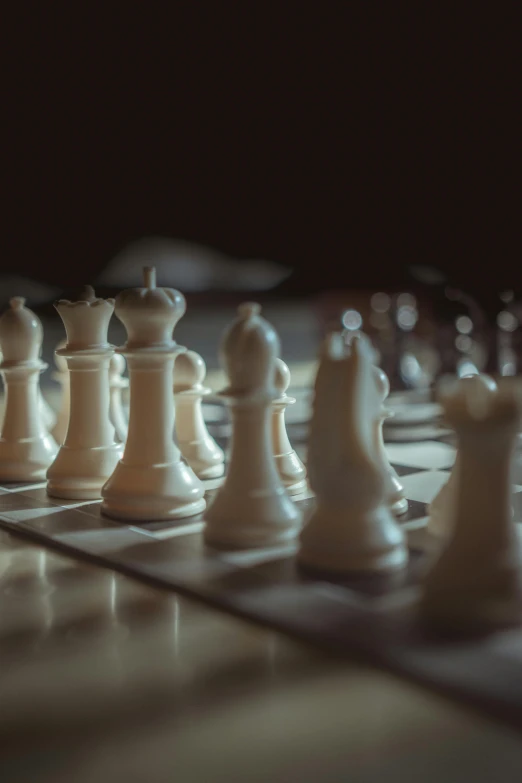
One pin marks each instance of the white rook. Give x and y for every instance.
(89, 453)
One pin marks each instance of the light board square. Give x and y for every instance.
(429, 455)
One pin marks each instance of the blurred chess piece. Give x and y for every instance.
(476, 584)
(394, 489)
(61, 376)
(197, 446)
(291, 469)
(352, 528)
(117, 383)
(442, 507)
(26, 447)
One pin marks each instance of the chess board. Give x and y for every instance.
(374, 618)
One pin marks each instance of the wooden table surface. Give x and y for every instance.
(104, 679)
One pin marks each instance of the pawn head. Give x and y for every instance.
(21, 333)
(189, 371)
(117, 365)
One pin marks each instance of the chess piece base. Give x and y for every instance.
(26, 460)
(339, 541)
(79, 474)
(154, 493)
(272, 519)
(207, 463)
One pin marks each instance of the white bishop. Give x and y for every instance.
(252, 507)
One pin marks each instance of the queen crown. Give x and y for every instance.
(150, 314)
(86, 321)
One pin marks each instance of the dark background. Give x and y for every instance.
(346, 140)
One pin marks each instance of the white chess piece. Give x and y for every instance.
(476, 584)
(61, 376)
(47, 414)
(394, 489)
(151, 482)
(117, 383)
(352, 528)
(251, 508)
(441, 508)
(26, 448)
(291, 469)
(89, 452)
(197, 446)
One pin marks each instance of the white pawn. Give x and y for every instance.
(47, 415)
(61, 376)
(251, 508)
(476, 584)
(352, 529)
(394, 489)
(197, 446)
(441, 508)
(291, 469)
(151, 482)
(26, 448)
(117, 383)
(89, 452)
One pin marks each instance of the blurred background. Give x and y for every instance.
(319, 155)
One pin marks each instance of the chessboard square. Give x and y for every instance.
(57, 520)
(415, 434)
(419, 413)
(254, 557)
(405, 470)
(424, 486)
(11, 501)
(23, 487)
(180, 562)
(430, 455)
(102, 540)
(39, 493)
(163, 530)
(30, 514)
